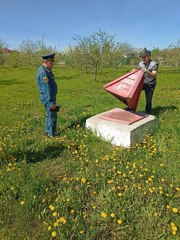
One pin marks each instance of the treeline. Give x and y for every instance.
(90, 53)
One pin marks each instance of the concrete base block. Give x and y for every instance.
(120, 134)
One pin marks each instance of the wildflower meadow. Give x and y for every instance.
(77, 186)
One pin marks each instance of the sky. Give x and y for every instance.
(140, 23)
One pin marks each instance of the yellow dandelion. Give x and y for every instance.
(175, 210)
(72, 211)
(51, 207)
(119, 221)
(167, 206)
(120, 194)
(22, 203)
(62, 220)
(110, 181)
(83, 180)
(54, 214)
(103, 215)
(155, 214)
(49, 228)
(56, 224)
(174, 228)
(53, 234)
(174, 232)
(150, 190)
(81, 232)
(112, 215)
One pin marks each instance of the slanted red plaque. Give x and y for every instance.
(127, 88)
(122, 116)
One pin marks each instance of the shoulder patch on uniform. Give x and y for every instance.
(45, 79)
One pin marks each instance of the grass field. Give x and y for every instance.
(76, 186)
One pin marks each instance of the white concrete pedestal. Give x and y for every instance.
(120, 134)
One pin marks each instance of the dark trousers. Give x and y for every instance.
(51, 120)
(149, 91)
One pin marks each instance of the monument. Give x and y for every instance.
(123, 127)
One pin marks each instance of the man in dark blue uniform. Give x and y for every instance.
(150, 68)
(48, 90)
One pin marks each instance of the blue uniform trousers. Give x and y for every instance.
(51, 121)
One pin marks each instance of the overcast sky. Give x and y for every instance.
(137, 22)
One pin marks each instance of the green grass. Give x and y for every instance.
(77, 186)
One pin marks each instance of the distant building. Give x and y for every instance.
(6, 51)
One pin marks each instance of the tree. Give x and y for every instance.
(92, 52)
(3, 45)
(31, 52)
(120, 54)
(171, 55)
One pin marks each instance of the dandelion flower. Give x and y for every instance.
(110, 181)
(174, 228)
(62, 220)
(53, 234)
(56, 224)
(175, 210)
(51, 207)
(155, 214)
(54, 214)
(112, 215)
(103, 215)
(83, 180)
(119, 221)
(22, 203)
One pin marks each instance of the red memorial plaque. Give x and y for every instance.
(122, 116)
(127, 88)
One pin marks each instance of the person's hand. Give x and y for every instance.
(53, 107)
(144, 70)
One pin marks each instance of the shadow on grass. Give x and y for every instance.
(35, 156)
(81, 122)
(158, 110)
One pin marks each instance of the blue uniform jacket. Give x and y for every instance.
(46, 85)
